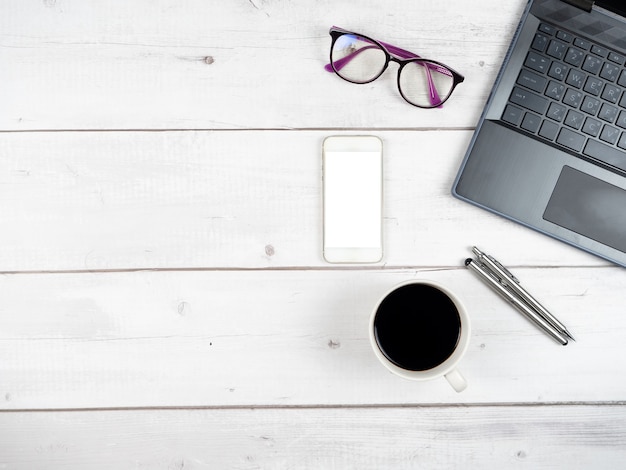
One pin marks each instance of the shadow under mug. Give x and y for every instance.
(420, 330)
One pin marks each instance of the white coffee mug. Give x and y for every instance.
(420, 330)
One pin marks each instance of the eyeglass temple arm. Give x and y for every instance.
(435, 99)
(341, 63)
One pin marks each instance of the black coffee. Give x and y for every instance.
(417, 327)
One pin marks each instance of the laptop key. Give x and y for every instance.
(574, 119)
(557, 49)
(563, 36)
(573, 98)
(582, 43)
(590, 105)
(611, 93)
(531, 122)
(557, 71)
(555, 90)
(512, 115)
(610, 134)
(592, 127)
(537, 62)
(532, 80)
(529, 100)
(610, 72)
(576, 78)
(593, 86)
(599, 51)
(556, 112)
(548, 130)
(592, 64)
(540, 42)
(606, 154)
(608, 113)
(574, 56)
(546, 28)
(619, 59)
(570, 139)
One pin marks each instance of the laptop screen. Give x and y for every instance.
(616, 6)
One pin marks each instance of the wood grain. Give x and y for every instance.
(276, 338)
(251, 64)
(163, 299)
(520, 437)
(170, 200)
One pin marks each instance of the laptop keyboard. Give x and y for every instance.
(570, 92)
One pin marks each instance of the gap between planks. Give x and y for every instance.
(573, 404)
(291, 268)
(250, 129)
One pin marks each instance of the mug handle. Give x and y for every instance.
(456, 380)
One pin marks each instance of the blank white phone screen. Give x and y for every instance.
(352, 199)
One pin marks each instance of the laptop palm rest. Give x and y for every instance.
(524, 180)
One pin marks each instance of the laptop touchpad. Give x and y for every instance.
(590, 207)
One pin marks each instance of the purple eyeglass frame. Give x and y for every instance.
(401, 57)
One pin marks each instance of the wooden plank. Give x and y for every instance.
(288, 338)
(573, 437)
(151, 200)
(240, 64)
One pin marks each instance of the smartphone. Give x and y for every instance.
(352, 173)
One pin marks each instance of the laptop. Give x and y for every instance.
(549, 150)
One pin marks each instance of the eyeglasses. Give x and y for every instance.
(358, 59)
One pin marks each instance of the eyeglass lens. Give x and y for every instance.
(360, 60)
(357, 59)
(425, 84)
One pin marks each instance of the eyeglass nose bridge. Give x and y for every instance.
(397, 60)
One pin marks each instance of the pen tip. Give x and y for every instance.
(468, 261)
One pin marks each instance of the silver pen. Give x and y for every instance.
(494, 282)
(514, 284)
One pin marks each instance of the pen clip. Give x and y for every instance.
(508, 273)
(504, 282)
(491, 274)
(484, 256)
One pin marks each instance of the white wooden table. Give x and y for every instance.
(163, 300)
